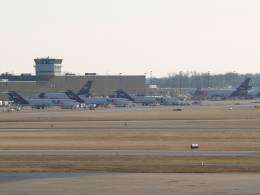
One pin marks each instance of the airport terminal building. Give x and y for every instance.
(49, 78)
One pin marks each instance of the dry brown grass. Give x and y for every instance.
(148, 164)
(130, 140)
(150, 124)
(201, 117)
(203, 113)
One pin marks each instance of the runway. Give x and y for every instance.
(188, 153)
(130, 183)
(124, 129)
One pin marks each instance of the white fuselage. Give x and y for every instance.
(145, 99)
(121, 102)
(95, 100)
(51, 95)
(37, 102)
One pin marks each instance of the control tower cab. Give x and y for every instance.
(48, 66)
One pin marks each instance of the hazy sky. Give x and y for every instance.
(131, 36)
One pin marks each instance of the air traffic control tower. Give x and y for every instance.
(48, 66)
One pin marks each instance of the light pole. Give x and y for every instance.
(151, 77)
(120, 81)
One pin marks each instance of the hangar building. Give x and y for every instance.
(49, 78)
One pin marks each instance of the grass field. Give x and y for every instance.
(137, 164)
(223, 140)
(198, 117)
(130, 138)
(198, 113)
(126, 124)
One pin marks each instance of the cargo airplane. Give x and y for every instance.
(81, 97)
(40, 103)
(242, 91)
(144, 100)
(151, 100)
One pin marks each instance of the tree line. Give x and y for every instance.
(203, 80)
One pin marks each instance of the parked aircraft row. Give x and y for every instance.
(70, 99)
(83, 96)
(43, 100)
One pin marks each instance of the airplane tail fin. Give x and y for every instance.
(122, 94)
(242, 89)
(245, 85)
(18, 99)
(85, 89)
(74, 96)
